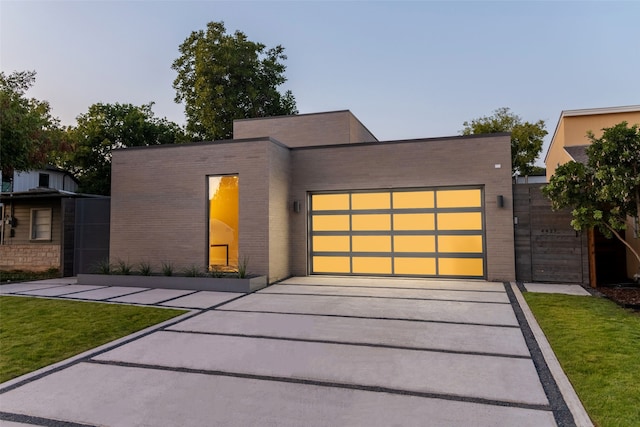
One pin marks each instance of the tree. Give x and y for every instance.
(606, 191)
(526, 137)
(106, 127)
(224, 77)
(29, 134)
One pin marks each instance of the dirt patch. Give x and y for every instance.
(626, 296)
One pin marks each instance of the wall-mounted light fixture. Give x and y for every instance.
(501, 201)
(296, 206)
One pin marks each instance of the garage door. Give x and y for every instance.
(432, 232)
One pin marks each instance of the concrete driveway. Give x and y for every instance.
(313, 351)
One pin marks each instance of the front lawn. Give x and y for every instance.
(598, 346)
(36, 332)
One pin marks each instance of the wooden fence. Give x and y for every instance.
(547, 248)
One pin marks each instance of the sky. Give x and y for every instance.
(413, 69)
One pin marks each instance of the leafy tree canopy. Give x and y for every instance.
(223, 77)
(526, 137)
(605, 191)
(29, 134)
(106, 127)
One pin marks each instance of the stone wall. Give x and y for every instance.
(29, 257)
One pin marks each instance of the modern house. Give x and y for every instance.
(607, 257)
(37, 231)
(318, 194)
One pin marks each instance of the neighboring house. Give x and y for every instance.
(318, 194)
(37, 231)
(606, 257)
(49, 177)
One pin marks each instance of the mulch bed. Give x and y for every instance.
(625, 295)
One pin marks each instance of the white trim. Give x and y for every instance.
(594, 111)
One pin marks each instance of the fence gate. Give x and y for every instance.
(547, 248)
(91, 233)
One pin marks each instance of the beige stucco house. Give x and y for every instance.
(568, 143)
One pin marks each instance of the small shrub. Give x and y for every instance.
(123, 267)
(145, 268)
(167, 268)
(216, 272)
(242, 267)
(192, 271)
(102, 267)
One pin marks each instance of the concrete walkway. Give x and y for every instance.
(313, 351)
(68, 289)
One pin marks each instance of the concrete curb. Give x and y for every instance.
(89, 353)
(572, 400)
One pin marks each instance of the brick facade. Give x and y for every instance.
(159, 202)
(304, 130)
(159, 194)
(454, 161)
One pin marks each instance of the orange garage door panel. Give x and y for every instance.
(432, 232)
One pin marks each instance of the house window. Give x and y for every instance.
(40, 224)
(223, 222)
(43, 180)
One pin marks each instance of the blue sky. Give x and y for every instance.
(405, 69)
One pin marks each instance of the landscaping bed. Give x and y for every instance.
(143, 275)
(221, 284)
(627, 295)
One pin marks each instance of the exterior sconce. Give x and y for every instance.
(296, 206)
(501, 201)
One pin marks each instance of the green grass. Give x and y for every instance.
(36, 332)
(598, 346)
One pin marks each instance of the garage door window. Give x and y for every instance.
(423, 232)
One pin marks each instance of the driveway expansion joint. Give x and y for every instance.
(382, 287)
(214, 307)
(126, 295)
(358, 344)
(36, 289)
(384, 297)
(38, 421)
(173, 298)
(447, 322)
(67, 295)
(348, 386)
